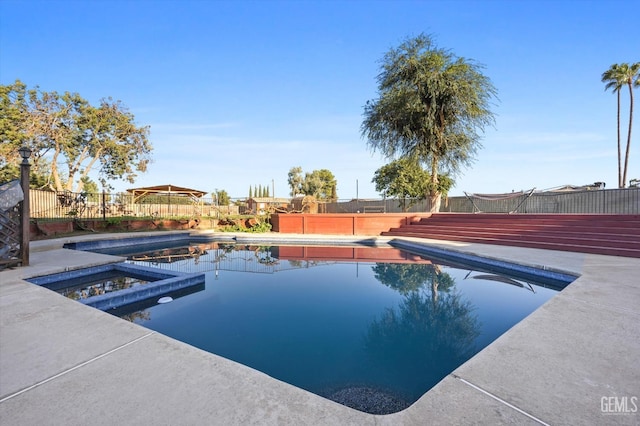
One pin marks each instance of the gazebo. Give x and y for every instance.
(169, 190)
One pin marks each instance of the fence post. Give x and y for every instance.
(104, 206)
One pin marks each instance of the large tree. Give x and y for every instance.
(221, 197)
(431, 107)
(295, 180)
(617, 76)
(319, 183)
(73, 136)
(17, 129)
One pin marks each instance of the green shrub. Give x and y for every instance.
(259, 227)
(114, 221)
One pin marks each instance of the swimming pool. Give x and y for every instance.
(373, 328)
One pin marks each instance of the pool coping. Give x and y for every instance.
(573, 361)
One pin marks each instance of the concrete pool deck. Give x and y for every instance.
(574, 361)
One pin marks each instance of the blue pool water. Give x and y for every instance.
(372, 334)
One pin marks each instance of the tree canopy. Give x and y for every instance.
(319, 183)
(259, 191)
(406, 180)
(295, 181)
(617, 76)
(431, 107)
(221, 197)
(69, 137)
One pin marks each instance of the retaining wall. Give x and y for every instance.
(342, 223)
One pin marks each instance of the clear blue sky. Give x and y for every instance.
(238, 92)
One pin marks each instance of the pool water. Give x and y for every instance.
(96, 284)
(372, 335)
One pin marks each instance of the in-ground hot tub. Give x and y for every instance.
(116, 285)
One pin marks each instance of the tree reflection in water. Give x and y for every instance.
(429, 334)
(137, 316)
(406, 278)
(98, 284)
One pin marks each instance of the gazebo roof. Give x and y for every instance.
(165, 189)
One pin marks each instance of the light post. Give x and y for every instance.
(25, 153)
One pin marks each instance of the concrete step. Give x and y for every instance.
(542, 216)
(633, 232)
(604, 234)
(534, 235)
(621, 222)
(594, 248)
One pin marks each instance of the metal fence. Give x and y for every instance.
(601, 201)
(96, 206)
(58, 205)
(11, 243)
(389, 205)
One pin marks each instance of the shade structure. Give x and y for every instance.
(165, 190)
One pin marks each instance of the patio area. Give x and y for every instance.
(573, 361)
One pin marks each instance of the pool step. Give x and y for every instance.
(617, 235)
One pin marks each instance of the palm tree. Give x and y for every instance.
(431, 107)
(614, 78)
(631, 72)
